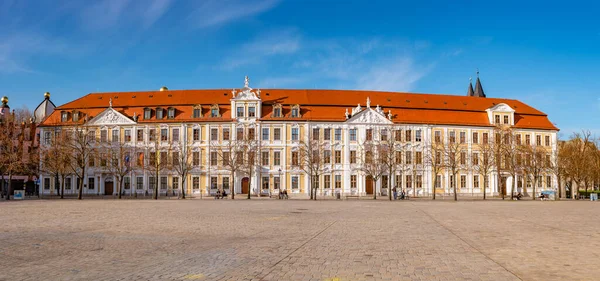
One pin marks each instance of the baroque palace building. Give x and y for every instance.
(166, 121)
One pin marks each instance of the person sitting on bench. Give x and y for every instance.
(224, 194)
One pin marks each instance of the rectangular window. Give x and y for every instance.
(103, 136)
(159, 113)
(548, 181)
(384, 181)
(196, 158)
(225, 182)
(518, 139)
(438, 136)
(213, 182)
(547, 140)
(327, 156)
(475, 181)
(505, 119)
(408, 159)
(294, 134)
(277, 158)
(463, 137)
(419, 181)
(369, 135)
(438, 181)
(240, 111)
(276, 182)
(485, 138)
(251, 135)
(352, 156)
(164, 134)
(475, 158)
(295, 182)
(316, 182)
(239, 133)
(418, 135)
(452, 137)
(175, 158)
(315, 135)
(64, 116)
(338, 157)
(352, 181)
(214, 112)
(384, 135)
(265, 183)
(213, 158)
(147, 114)
(197, 112)
(294, 158)
(152, 135)
(171, 113)
(196, 182)
(67, 183)
(140, 135)
(46, 183)
(497, 119)
(265, 158)
(538, 140)
(163, 182)
(175, 185)
(419, 157)
(475, 137)
(265, 134)
(214, 134)
(338, 181)
(295, 112)
(277, 134)
(463, 158)
(251, 111)
(277, 112)
(139, 182)
(91, 183)
(398, 135)
(196, 134)
(327, 181)
(327, 134)
(398, 156)
(226, 158)
(463, 181)
(175, 133)
(409, 181)
(408, 135)
(225, 133)
(338, 134)
(127, 135)
(527, 139)
(352, 134)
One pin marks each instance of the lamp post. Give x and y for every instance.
(279, 187)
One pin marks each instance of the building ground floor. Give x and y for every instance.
(269, 182)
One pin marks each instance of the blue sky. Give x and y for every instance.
(544, 53)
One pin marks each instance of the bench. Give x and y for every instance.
(352, 196)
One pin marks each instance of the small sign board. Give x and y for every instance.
(19, 194)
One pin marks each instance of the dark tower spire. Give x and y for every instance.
(470, 91)
(478, 89)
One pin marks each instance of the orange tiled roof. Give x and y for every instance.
(316, 105)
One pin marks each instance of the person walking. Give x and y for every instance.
(395, 191)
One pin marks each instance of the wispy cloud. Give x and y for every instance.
(397, 74)
(219, 12)
(263, 47)
(106, 14)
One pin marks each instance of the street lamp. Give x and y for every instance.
(279, 187)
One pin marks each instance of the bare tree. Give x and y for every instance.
(392, 149)
(556, 166)
(435, 158)
(118, 155)
(14, 155)
(80, 143)
(311, 160)
(55, 158)
(534, 164)
(157, 162)
(372, 160)
(231, 153)
(485, 163)
(452, 154)
(249, 148)
(182, 163)
(577, 159)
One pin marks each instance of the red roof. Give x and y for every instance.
(316, 105)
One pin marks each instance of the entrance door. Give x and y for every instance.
(503, 184)
(245, 185)
(108, 188)
(369, 185)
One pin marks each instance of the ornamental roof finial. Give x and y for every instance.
(110, 102)
(246, 82)
(368, 102)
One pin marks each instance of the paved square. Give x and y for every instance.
(298, 240)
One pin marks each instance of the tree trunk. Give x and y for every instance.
(80, 193)
(525, 192)
(232, 186)
(455, 194)
(484, 189)
(156, 181)
(62, 187)
(390, 185)
(534, 191)
(183, 187)
(434, 183)
(9, 186)
(512, 188)
(120, 187)
(374, 182)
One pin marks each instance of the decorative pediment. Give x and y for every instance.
(246, 93)
(110, 117)
(369, 116)
(501, 107)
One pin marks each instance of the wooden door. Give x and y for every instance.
(369, 185)
(108, 188)
(245, 185)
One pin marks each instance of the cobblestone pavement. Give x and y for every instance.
(298, 240)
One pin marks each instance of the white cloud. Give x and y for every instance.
(218, 12)
(108, 14)
(398, 74)
(280, 82)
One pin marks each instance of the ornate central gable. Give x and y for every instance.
(368, 115)
(110, 117)
(246, 93)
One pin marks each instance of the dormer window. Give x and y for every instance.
(197, 111)
(75, 116)
(214, 111)
(159, 113)
(64, 116)
(505, 119)
(497, 119)
(295, 111)
(277, 110)
(251, 111)
(171, 113)
(147, 113)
